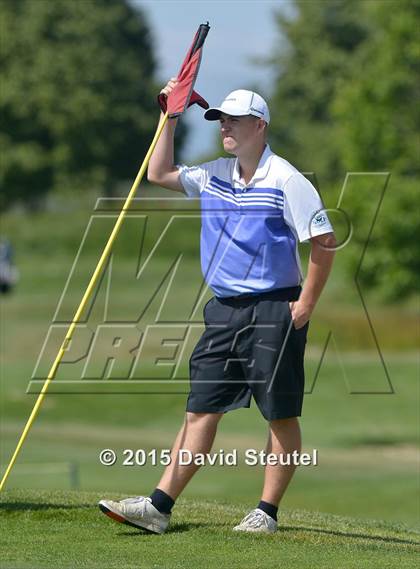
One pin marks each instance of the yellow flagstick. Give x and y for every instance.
(85, 298)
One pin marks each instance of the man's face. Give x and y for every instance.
(239, 133)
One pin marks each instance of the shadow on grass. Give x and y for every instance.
(176, 528)
(27, 506)
(354, 535)
(183, 527)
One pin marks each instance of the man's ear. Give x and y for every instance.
(262, 125)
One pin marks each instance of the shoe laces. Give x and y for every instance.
(139, 501)
(256, 519)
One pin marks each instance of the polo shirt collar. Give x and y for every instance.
(262, 168)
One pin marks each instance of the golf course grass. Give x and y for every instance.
(66, 529)
(357, 508)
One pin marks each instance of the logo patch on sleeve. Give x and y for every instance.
(319, 220)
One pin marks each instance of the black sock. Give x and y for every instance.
(269, 509)
(162, 501)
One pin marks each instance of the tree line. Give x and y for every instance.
(78, 96)
(78, 107)
(346, 99)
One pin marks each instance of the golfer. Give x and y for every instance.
(256, 207)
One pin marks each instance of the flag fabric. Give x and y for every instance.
(183, 95)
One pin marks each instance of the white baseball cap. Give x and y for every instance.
(240, 103)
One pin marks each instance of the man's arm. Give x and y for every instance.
(319, 267)
(161, 169)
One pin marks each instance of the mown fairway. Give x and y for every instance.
(368, 459)
(63, 529)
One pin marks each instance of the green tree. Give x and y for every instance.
(391, 266)
(346, 99)
(377, 109)
(377, 114)
(77, 97)
(315, 47)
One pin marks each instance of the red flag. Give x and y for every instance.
(183, 95)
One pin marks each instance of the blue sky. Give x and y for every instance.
(240, 32)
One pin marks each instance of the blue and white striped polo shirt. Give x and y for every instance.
(250, 232)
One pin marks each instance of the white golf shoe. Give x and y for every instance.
(257, 521)
(138, 512)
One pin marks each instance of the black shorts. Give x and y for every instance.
(249, 347)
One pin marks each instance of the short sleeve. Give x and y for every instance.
(193, 179)
(303, 209)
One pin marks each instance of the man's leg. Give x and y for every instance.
(153, 513)
(284, 437)
(196, 435)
